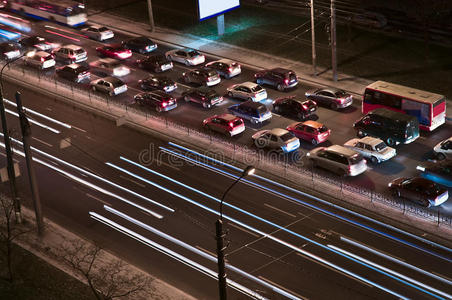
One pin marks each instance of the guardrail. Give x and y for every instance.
(289, 167)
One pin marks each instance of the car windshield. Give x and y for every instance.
(340, 93)
(380, 147)
(286, 136)
(193, 53)
(356, 158)
(257, 88)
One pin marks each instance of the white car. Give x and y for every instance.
(40, 59)
(443, 149)
(110, 85)
(372, 148)
(109, 67)
(186, 56)
(248, 91)
(277, 138)
(99, 33)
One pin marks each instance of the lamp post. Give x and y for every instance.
(220, 234)
(9, 154)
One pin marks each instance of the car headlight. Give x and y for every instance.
(420, 168)
(390, 184)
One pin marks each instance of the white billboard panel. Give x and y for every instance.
(212, 8)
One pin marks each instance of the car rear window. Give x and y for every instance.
(262, 109)
(292, 76)
(234, 64)
(193, 53)
(323, 129)
(286, 136)
(237, 122)
(355, 158)
(79, 51)
(380, 146)
(103, 29)
(211, 73)
(340, 94)
(257, 88)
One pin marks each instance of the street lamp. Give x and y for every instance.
(249, 170)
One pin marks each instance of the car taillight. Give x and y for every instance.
(406, 135)
(164, 104)
(286, 81)
(124, 54)
(42, 59)
(305, 107)
(230, 69)
(341, 100)
(231, 124)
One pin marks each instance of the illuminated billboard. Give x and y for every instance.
(211, 8)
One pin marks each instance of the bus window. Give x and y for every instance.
(420, 110)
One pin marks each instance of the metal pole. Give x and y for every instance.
(313, 39)
(26, 135)
(9, 155)
(220, 25)
(151, 16)
(220, 235)
(333, 41)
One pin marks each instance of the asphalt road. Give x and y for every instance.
(295, 244)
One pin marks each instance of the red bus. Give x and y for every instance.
(428, 108)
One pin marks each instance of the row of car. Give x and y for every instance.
(348, 159)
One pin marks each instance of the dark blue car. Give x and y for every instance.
(254, 112)
(279, 78)
(438, 171)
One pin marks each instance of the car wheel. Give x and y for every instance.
(187, 99)
(280, 87)
(277, 109)
(187, 63)
(230, 95)
(333, 106)
(374, 160)
(169, 57)
(390, 142)
(253, 121)
(361, 134)
(314, 142)
(260, 143)
(440, 156)
(249, 99)
(301, 116)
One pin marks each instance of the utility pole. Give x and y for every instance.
(313, 39)
(9, 158)
(26, 135)
(151, 16)
(220, 234)
(333, 41)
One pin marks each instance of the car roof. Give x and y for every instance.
(421, 181)
(225, 61)
(73, 66)
(392, 114)
(313, 124)
(370, 140)
(251, 104)
(341, 150)
(228, 117)
(278, 131)
(72, 46)
(281, 70)
(248, 84)
(160, 93)
(113, 80)
(329, 89)
(42, 53)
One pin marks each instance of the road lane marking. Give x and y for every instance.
(75, 127)
(333, 269)
(167, 164)
(131, 180)
(281, 287)
(41, 141)
(243, 229)
(100, 200)
(206, 251)
(280, 210)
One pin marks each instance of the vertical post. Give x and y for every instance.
(9, 159)
(26, 134)
(220, 25)
(313, 39)
(333, 41)
(220, 259)
(151, 16)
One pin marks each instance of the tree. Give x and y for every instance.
(9, 231)
(107, 278)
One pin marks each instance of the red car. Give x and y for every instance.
(310, 131)
(114, 51)
(226, 124)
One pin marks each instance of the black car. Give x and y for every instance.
(202, 76)
(9, 50)
(438, 171)
(293, 107)
(330, 97)
(159, 100)
(279, 78)
(74, 72)
(419, 190)
(206, 96)
(140, 44)
(155, 63)
(154, 82)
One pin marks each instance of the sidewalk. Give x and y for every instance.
(247, 57)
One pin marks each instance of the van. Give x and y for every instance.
(338, 159)
(254, 112)
(391, 126)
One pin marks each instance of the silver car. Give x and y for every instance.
(372, 148)
(99, 33)
(330, 97)
(109, 67)
(276, 138)
(189, 57)
(70, 53)
(443, 149)
(110, 85)
(338, 159)
(248, 91)
(39, 59)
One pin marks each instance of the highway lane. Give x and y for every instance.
(104, 142)
(191, 114)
